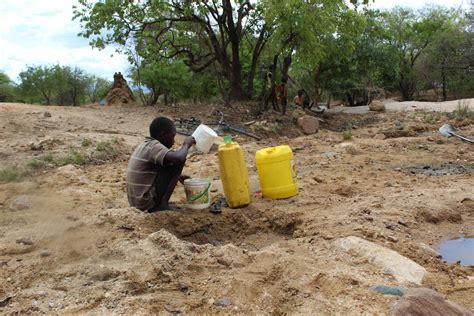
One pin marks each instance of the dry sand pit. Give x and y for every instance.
(72, 244)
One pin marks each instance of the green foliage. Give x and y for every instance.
(61, 85)
(74, 157)
(47, 157)
(86, 142)
(347, 133)
(107, 150)
(432, 117)
(97, 88)
(8, 174)
(7, 88)
(34, 164)
(463, 111)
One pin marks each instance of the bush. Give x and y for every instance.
(34, 164)
(86, 142)
(8, 174)
(347, 133)
(463, 111)
(73, 158)
(47, 157)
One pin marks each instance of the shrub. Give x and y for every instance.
(347, 133)
(463, 111)
(8, 174)
(86, 142)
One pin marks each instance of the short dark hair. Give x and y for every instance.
(160, 124)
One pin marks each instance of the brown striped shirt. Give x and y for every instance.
(141, 172)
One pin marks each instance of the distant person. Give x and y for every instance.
(282, 94)
(299, 99)
(154, 169)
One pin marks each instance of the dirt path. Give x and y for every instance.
(71, 244)
(392, 105)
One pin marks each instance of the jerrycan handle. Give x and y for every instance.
(271, 150)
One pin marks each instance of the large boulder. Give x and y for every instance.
(308, 124)
(404, 270)
(423, 301)
(377, 105)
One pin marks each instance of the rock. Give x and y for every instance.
(84, 180)
(68, 170)
(25, 241)
(183, 286)
(308, 124)
(104, 274)
(428, 249)
(389, 290)
(423, 301)
(392, 238)
(223, 302)
(36, 146)
(391, 226)
(377, 105)
(380, 136)
(330, 154)
(47, 114)
(45, 253)
(5, 300)
(22, 202)
(404, 270)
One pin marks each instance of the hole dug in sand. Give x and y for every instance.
(246, 228)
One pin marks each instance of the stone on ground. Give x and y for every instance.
(20, 203)
(404, 270)
(377, 105)
(308, 124)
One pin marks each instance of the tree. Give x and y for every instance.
(37, 82)
(62, 85)
(446, 62)
(7, 89)
(97, 88)
(410, 36)
(201, 33)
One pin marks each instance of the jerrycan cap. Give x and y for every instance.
(228, 140)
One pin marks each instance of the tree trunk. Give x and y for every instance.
(443, 75)
(270, 85)
(255, 56)
(236, 90)
(317, 85)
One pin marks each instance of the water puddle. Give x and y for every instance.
(461, 249)
(444, 169)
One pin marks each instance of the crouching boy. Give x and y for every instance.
(154, 169)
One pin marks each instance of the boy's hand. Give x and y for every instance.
(190, 141)
(183, 177)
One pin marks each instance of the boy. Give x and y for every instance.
(154, 169)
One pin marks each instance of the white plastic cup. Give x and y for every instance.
(198, 193)
(205, 138)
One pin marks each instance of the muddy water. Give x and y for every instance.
(455, 250)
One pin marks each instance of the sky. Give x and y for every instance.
(39, 32)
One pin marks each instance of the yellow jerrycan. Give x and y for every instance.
(234, 175)
(276, 172)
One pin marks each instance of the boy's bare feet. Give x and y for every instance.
(166, 207)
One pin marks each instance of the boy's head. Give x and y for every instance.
(163, 130)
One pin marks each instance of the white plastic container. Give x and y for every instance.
(198, 193)
(205, 137)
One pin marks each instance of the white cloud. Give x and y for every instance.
(41, 32)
